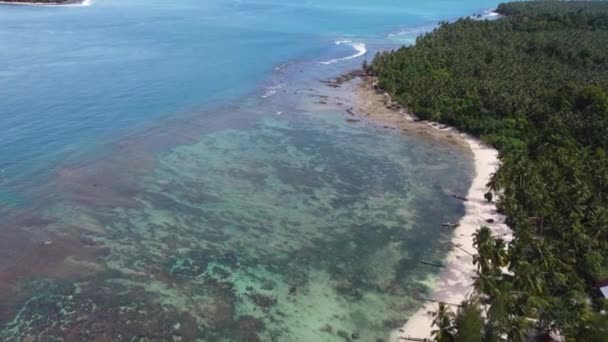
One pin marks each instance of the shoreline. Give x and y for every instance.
(455, 281)
(376, 107)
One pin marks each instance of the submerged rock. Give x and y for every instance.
(248, 328)
(327, 329)
(343, 334)
(263, 301)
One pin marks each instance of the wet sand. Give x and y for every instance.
(375, 106)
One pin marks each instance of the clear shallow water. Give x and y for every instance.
(151, 190)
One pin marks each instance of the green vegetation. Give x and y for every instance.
(534, 84)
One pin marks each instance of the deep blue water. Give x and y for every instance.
(177, 170)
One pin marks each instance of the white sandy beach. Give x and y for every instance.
(456, 279)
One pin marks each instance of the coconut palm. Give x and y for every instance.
(444, 321)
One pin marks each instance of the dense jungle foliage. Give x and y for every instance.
(533, 83)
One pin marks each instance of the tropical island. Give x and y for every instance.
(534, 85)
(41, 2)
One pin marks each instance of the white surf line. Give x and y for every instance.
(360, 49)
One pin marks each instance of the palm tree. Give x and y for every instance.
(499, 253)
(528, 280)
(444, 321)
(485, 285)
(483, 242)
(517, 329)
(498, 304)
(469, 324)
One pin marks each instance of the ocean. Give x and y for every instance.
(168, 172)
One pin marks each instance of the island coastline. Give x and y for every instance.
(375, 106)
(455, 281)
(66, 3)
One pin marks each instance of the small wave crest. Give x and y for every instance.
(412, 31)
(487, 15)
(402, 32)
(271, 90)
(360, 49)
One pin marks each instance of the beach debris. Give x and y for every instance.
(435, 301)
(450, 225)
(430, 263)
(490, 220)
(460, 197)
(459, 246)
(350, 111)
(352, 120)
(488, 196)
(416, 339)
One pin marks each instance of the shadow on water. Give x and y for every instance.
(238, 225)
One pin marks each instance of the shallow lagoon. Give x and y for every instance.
(292, 227)
(270, 218)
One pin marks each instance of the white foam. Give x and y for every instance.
(360, 49)
(344, 41)
(408, 31)
(488, 14)
(271, 90)
(398, 33)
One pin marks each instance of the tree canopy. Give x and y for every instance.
(534, 84)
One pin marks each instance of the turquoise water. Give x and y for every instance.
(167, 173)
